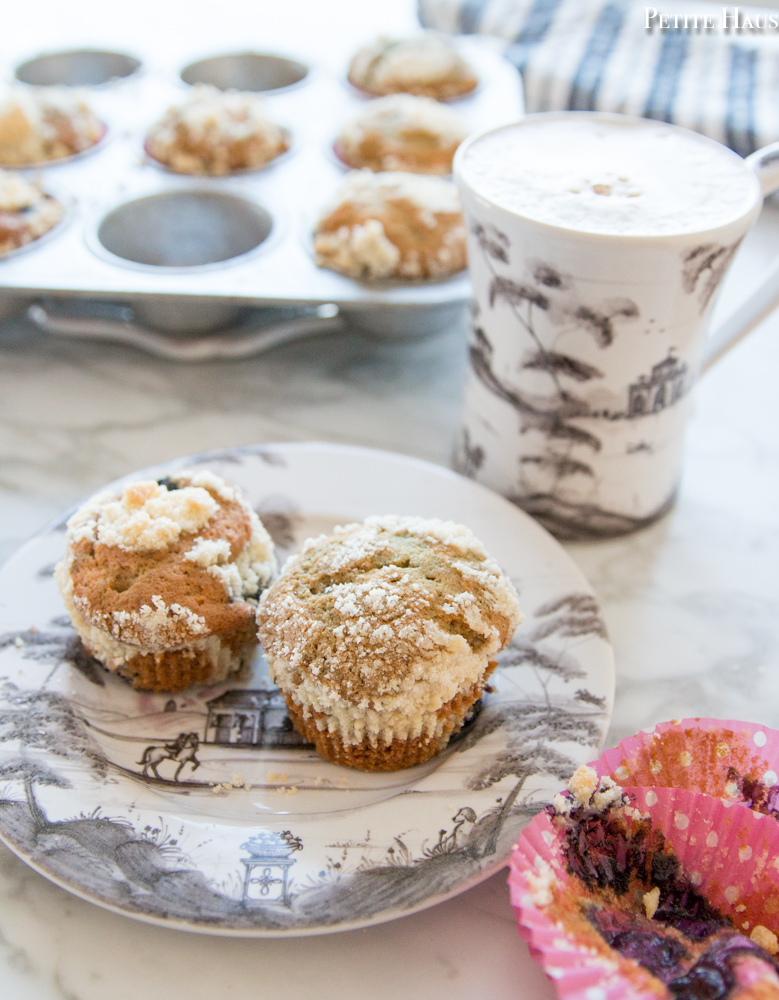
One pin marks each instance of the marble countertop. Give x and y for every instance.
(692, 603)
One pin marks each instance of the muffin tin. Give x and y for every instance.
(153, 251)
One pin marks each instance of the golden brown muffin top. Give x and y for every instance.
(392, 224)
(168, 561)
(402, 132)
(426, 64)
(366, 610)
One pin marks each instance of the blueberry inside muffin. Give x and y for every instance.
(629, 899)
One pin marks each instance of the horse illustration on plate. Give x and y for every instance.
(183, 750)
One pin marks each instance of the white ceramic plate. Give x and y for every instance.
(306, 847)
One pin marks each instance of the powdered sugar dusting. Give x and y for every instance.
(391, 617)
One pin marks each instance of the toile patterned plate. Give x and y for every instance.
(129, 799)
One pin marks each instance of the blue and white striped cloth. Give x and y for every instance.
(598, 55)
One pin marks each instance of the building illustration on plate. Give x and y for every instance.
(664, 387)
(251, 718)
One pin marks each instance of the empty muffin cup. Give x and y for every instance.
(182, 229)
(254, 71)
(78, 68)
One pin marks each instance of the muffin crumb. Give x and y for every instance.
(651, 901)
(765, 938)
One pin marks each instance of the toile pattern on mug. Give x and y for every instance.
(597, 244)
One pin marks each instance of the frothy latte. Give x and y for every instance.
(620, 177)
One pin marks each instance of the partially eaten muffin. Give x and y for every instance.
(618, 895)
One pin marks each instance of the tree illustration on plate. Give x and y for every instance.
(59, 646)
(43, 721)
(32, 773)
(535, 730)
(545, 307)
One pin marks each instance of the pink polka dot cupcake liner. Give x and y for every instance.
(733, 760)
(723, 830)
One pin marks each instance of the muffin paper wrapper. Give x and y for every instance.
(734, 760)
(729, 852)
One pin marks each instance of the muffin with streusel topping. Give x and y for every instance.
(382, 635)
(26, 212)
(45, 124)
(426, 64)
(216, 132)
(402, 132)
(392, 225)
(161, 579)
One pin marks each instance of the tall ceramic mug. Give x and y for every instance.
(586, 344)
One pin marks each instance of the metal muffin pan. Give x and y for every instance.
(206, 249)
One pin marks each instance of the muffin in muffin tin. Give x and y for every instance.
(382, 635)
(215, 133)
(392, 225)
(45, 124)
(402, 132)
(427, 65)
(26, 212)
(161, 580)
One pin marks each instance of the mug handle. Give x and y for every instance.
(765, 298)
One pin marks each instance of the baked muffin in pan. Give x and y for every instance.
(392, 225)
(45, 124)
(26, 212)
(426, 64)
(215, 133)
(402, 132)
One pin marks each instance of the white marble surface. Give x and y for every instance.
(692, 603)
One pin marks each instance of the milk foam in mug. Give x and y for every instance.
(597, 245)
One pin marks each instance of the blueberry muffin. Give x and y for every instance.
(382, 635)
(427, 65)
(41, 124)
(402, 132)
(161, 580)
(26, 213)
(392, 225)
(216, 132)
(617, 892)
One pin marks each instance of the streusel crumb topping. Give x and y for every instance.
(390, 608)
(426, 64)
(392, 224)
(165, 562)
